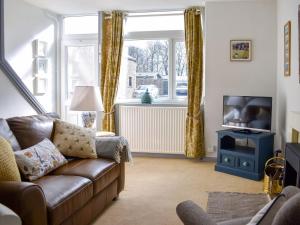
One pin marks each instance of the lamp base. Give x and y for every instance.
(88, 119)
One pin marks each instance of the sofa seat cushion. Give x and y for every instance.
(64, 195)
(101, 171)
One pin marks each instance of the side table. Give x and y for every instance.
(244, 160)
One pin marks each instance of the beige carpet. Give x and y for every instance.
(154, 187)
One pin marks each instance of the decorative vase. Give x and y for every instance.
(146, 98)
(88, 119)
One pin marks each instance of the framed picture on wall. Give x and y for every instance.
(40, 85)
(41, 66)
(240, 50)
(39, 48)
(287, 49)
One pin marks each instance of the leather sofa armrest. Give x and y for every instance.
(191, 214)
(25, 199)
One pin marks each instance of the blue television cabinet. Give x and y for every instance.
(244, 160)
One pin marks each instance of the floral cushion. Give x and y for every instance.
(38, 160)
(75, 141)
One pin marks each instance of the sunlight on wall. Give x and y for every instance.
(23, 62)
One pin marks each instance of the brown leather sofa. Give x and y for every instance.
(74, 194)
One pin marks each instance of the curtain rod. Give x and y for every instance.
(153, 12)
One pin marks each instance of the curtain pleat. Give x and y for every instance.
(111, 53)
(194, 135)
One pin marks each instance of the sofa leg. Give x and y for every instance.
(116, 198)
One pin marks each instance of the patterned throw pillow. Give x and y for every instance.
(8, 166)
(74, 141)
(40, 159)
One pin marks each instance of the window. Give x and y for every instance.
(130, 82)
(180, 69)
(153, 58)
(79, 59)
(155, 22)
(80, 66)
(81, 25)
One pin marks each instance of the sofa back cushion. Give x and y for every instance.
(289, 214)
(6, 133)
(30, 130)
(266, 215)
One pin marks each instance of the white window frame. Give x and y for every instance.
(172, 37)
(73, 40)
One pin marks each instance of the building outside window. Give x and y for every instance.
(153, 57)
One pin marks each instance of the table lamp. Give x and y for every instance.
(88, 100)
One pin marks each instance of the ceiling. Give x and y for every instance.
(92, 6)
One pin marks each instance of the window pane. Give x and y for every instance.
(154, 23)
(81, 67)
(181, 69)
(81, 25)
(145, 65)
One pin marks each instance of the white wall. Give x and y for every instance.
(12, 102)
(288, 88)
(255, 20)
(23, 24)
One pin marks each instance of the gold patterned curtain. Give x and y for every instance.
(112, 43)
(194, 134)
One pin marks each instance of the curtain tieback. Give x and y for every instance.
(109, 113)
(112, 110)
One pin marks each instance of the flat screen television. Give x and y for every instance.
(247, 112)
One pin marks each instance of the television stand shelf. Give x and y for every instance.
(240, 159)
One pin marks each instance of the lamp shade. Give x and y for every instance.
(86, 98)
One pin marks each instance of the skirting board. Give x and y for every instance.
(171, 156)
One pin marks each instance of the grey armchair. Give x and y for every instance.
(285, 210)
(8, 217)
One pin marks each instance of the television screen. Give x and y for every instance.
(246, 112)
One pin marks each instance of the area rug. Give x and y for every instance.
(222, 206)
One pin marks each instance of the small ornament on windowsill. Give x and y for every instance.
(146, 98)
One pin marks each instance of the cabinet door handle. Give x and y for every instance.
(245, 164)
(226, 159)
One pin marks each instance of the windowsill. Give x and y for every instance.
(161, 102)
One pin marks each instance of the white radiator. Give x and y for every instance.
(153, 129)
